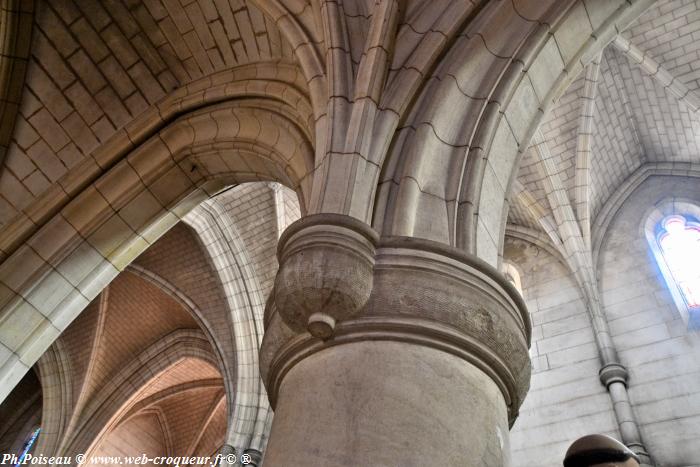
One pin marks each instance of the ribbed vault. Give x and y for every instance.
(134, 341)
(634, 107)
(411, 116)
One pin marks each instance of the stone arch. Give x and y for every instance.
(64, 415)
(297, 22)
(57, 389)
(612, 206)
(249, 406)
(537, 238)
(99, 230)
(222, 362)
(456, 157)
(167, 392)
(280, 83)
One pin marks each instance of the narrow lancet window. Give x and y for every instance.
(679, 241)
(27, 447)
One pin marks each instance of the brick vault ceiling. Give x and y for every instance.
(110, 352)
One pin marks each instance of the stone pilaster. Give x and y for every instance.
(386, 351)
(614, 377)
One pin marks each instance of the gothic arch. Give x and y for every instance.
(607, 213)
(249, 406)
(67, 366)
(57, 389)
(139, 196)
(278, 83)
(459, 164)
(228, 368)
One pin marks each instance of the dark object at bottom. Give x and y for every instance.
(599, 449)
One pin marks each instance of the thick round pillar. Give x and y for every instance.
(387, 403)
(423, 360)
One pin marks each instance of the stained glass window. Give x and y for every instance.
(679, 240)
(27, 447)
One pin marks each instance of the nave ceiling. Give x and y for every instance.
(632, 111)
(103, 78)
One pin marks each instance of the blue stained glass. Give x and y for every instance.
(27, 446)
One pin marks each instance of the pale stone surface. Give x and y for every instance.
(430, 306)
(566, 399)
(448, 121)
(383, 403)
(653, 340)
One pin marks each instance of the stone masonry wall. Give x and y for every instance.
(566, 399)
(661, 354)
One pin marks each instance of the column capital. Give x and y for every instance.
(398, 289)
(325, 275)
(613, 373)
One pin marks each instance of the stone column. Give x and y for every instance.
(224, 453)
(392, 351)
(614, 377)
(254, 457)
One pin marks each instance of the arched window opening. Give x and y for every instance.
(679, 241)
(512, 276)
(672, 230)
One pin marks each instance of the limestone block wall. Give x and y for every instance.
(252, 209)
(566, 399)
(654, 343)
(97, 65)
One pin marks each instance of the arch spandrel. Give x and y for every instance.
(94, 67)
(279, 85)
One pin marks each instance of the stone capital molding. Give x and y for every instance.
(411, 331)
(326, 263)
(613, 373)
(420, 292)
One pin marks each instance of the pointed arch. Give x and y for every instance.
(672, 230)
(108, 223)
